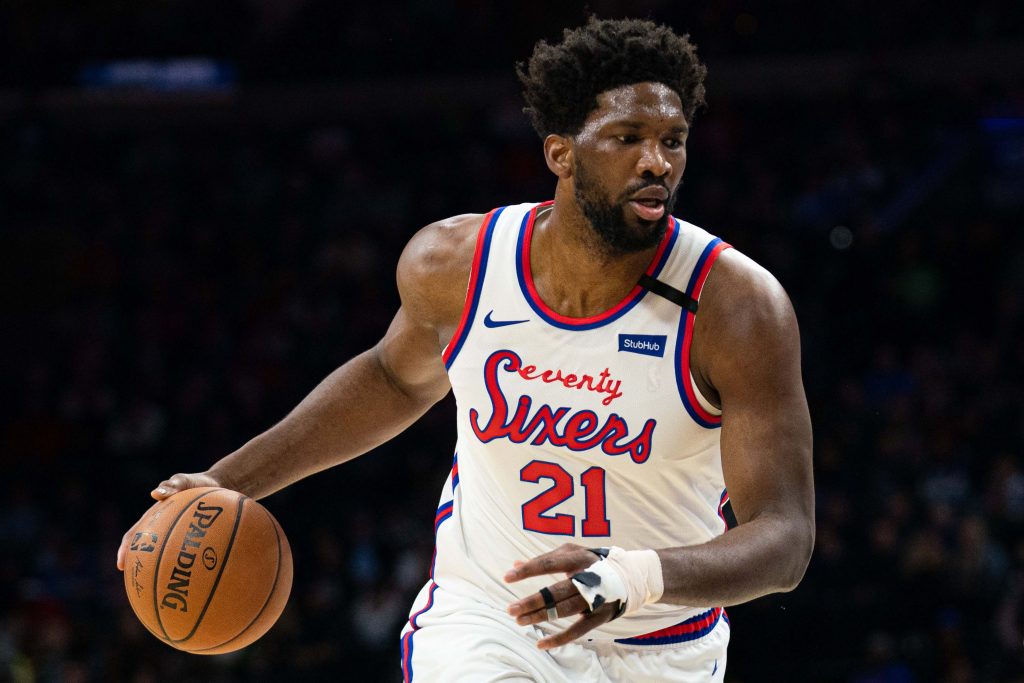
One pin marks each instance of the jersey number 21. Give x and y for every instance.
(595, 523)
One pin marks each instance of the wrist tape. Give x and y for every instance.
(630, 576)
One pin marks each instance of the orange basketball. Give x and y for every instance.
(208, 570)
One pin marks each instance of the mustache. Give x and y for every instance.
(643, 185)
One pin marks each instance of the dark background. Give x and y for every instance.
(180, 266)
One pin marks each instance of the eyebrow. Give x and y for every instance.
(636, 125)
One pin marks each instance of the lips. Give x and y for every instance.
(649, 202)
(648, 209)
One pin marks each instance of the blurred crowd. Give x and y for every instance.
(172, 292)
(286, 40)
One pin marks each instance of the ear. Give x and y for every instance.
(558, 154)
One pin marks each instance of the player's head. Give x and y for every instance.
(613, 102)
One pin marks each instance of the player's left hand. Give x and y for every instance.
(569, 559)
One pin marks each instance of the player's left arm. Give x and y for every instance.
(746, 348)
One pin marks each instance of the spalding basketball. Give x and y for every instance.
(208, 570)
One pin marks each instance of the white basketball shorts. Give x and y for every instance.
(451, 638)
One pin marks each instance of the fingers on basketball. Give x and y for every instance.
(181, 482)
(165, 489)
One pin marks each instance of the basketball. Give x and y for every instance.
(208, 570)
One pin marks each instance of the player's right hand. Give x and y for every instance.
(165, 489)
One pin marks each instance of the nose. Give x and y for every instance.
(653, 161)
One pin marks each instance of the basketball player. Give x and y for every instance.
(634, 446)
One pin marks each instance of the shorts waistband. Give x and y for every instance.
(691, 629)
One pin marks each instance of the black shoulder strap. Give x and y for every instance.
(729, 516)
(678, 297)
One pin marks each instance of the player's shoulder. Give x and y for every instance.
(434, 268)
(744, 297)
(735, 280)
(746, 334)
(442, 246)
(747, 279)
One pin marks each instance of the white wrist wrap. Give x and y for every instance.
(632, 576)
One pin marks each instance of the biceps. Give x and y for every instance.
(410, 356)
(766, 452)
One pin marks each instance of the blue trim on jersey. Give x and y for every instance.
(407, 657)
(681, 337)
(455, 470)
(680, 379)
(689, 408)
(411, 657)
(430, 603)
(674, 228)
(481, 270)
(681, 638)
(443, 513)
(700, 265)
(674, 234)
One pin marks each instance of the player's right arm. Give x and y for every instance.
(374, 396)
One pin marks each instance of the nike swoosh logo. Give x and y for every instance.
(489, 322)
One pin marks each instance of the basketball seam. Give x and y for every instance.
(273, 586)
(159, 557)
(223, 564)
(151, 630)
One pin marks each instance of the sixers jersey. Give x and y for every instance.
(583, 430)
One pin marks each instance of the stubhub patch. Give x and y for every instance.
(646, 344)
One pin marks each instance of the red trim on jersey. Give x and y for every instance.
(443, 513)
(689, 626)
(430, 603)
(684, 354)
(471, 289)
(721, 504)
(532, 289)
(407, 657)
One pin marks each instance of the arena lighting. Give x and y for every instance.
(197, 73)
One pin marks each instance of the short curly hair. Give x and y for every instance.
(561, 82)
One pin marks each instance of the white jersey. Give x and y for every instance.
(583, 430)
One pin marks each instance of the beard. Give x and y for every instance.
(618, 229)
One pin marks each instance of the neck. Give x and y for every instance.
(574, 271)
